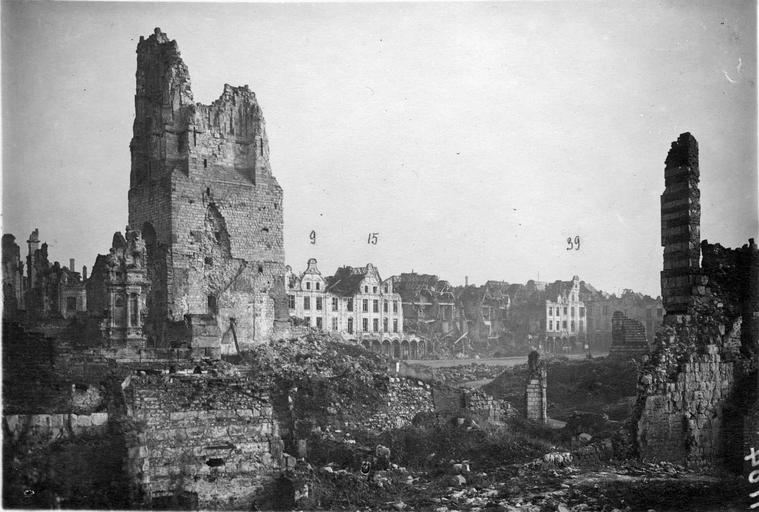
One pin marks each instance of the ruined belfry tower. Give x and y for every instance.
(680, 226)
(210, 211)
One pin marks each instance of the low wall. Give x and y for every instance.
(51, 427)
(202, 441)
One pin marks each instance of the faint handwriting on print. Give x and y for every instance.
(573, 244)
(753, 477)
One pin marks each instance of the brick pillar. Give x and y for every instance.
(536, 403)
(680, 226)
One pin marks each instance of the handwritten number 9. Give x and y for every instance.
(312, 236)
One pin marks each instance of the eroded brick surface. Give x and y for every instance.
(203, 195)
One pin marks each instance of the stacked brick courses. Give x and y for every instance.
(680, 225)
(628, 337)
(682, 420)
(211, 438)
(536, 400)
(203, 194)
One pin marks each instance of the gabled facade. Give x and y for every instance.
(356, 303)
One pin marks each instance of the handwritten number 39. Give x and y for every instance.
(573, 244)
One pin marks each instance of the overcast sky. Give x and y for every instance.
(473, 137)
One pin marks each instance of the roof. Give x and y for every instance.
(346, 281)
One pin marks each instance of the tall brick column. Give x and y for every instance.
(680, 226)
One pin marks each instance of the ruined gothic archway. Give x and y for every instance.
(404, 349)
(376, 347)
(387, 348)
(413, 350)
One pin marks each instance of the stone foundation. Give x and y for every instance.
(209, 441)
(681, 421)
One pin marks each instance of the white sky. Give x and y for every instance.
(473, 137)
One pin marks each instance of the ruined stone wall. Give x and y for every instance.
(45, 428)
(680, 224)
(209, 438)
(13, 278)
(201, 181)
(628, 338)
(695, 394)
(682, 421)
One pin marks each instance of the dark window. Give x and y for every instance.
(318, 322)
(318, 285)
(395, 306)
(550, 325)
(350, 304)
(306, 302)
(291, 301)
(384, 324)
(374, 289)
(572, 325)
(365, 305)
(133, 310)
(384, 306)
(573, 311)
(334, 303)
(212, 304)
(395, 325)
(375, 306)
(564, 324)
(205, 163)
(385, 288)
(582, 311)
(565, 310)
(375, 325)
(550, 311)
(350, 326)
(365, 324)
(70, 303)
(308, 285)
(318, 304)
(366, 289)
(334, 324)
(308, 320)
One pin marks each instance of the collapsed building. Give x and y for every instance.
(698, 395)
(210, 211)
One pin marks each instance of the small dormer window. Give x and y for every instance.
(318, 285)
(308, 285)
(366, 289)
(374, 289)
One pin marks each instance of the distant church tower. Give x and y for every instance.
(210, 211)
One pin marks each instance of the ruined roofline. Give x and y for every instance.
(171, 50)
(683, 152)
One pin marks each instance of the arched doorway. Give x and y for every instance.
(387, 349)
(396, 349)
(376, 347)
(404, 349)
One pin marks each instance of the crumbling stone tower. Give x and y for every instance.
(210, 211)
(680, 226)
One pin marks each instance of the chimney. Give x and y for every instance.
(84, 272)
(72, 265)
(466, 280)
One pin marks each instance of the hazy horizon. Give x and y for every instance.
(473, 137)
